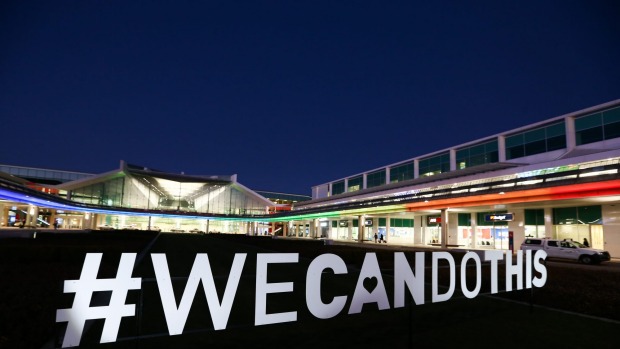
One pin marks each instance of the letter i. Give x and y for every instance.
(528, 268)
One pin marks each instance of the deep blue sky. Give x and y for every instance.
(289, 94)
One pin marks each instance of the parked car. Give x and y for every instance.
(106, 227)
(130, 227)
(155, 228)
(566, 249)
(177, 230)
(197, 231)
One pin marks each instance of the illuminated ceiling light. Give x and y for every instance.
(598, 173)
(530, 182)
(501, 193)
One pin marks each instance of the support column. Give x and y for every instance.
(501, 149)
(350, 230)
(444, 228)
(385, 236)
(453, 228)
(549, 233)
(571, 140)
(33, 214)
(424, 224)
(517, 227)
(3, 216)
(360, 228)
(417, 230)
(387, 227)
(313, 228)
(453, 166)
(87, 223)
(285, 229)
(330, 230)
(387, 175)
(474, 227)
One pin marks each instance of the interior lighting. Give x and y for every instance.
(473, 190)
(504, 185)
(598, 173)
(530, 182)
(560, 178)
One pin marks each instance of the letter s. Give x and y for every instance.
(541, 268)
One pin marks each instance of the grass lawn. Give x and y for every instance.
(34, 269)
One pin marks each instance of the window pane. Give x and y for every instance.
(338, 188)
(534, 135)
(535, 147)
(555, 143)
(515, 152)
(556, 130)
(612, 130)
(590, 135)
(589, 121)
(514, 141)
(612, 115)
(462, 154)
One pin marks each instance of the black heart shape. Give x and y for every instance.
(370, 283)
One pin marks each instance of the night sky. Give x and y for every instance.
(289, 94)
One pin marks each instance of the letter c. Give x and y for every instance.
(313, 286)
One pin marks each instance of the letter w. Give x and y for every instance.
(201, 271)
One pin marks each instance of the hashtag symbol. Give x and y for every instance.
(76, 316)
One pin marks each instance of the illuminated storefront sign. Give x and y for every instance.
(434, 220)
(500, 217)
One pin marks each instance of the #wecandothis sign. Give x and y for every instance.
(528, 269)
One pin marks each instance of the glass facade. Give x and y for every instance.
(435, 165)
(477, 155)
(375, 179)
(598, 127)
(150, 192)
(59, 176)
(401, 172)
(577, 215)
(535, 223)
(536, 141)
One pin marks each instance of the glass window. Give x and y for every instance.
(464, 219)
(577, 215)
(477, 155)
(355, 183)
(401, 172)
(375, 179)
(586, 122)
(435, 165)
(598, 126)
(540, 140)
(535, 217)
(338, 188)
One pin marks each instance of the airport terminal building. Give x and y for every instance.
(556, 178)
